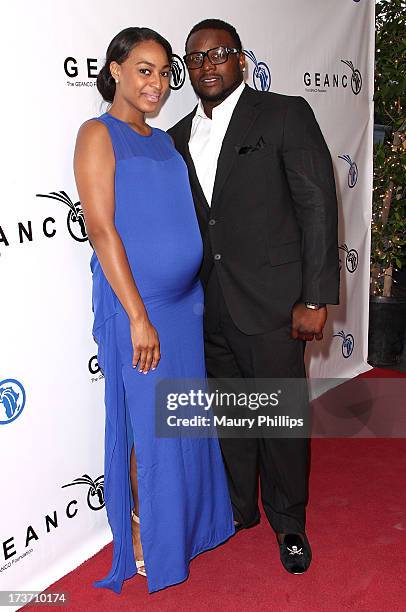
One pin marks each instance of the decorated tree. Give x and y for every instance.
(388, 247)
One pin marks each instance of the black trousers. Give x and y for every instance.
(280, 464)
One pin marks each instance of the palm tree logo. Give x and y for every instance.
(352, 172)
(261, 76)
(347, 346)
(76, 220)
(95, 494)
(12, 400)
(351, 259)
(356, 78)
(178, 72)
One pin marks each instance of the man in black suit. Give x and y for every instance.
(264, 192)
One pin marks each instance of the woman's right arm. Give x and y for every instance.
(94, 166)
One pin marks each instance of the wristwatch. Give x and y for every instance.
(314, 306)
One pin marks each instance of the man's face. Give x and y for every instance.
(213, 83)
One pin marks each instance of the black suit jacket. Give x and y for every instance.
(271, 230)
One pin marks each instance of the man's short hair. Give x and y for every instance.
(216, 24)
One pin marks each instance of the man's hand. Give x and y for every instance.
(307, 323)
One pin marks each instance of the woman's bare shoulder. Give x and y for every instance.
(93, 130)
(94, 138)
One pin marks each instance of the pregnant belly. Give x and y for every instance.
(156, 220)
(164, 261)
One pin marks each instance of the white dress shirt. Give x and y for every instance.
(206, 138)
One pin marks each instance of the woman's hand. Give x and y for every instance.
(145, 343)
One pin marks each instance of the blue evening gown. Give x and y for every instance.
(184, 504)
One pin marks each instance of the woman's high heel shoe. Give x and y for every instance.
(139, 562)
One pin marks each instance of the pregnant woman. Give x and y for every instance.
(166, 498)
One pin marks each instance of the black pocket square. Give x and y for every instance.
(246, 149)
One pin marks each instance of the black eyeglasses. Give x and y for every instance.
(218, 55)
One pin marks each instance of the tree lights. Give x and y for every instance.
(388, 246)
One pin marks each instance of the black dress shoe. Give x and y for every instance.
(295, 553)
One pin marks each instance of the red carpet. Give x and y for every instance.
(356, 525)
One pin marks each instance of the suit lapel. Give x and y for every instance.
(194, 181)
(197, 190)
(241, 121)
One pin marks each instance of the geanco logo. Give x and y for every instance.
(12, 400)
(347, 345)
(352, 171)
(26, 233)
(95, 493)
(9, 548)
(351, 258)
(320, 82)
(178, 72)
(75, 220)
(76, 71)
(261, 76)
(356, 78)
(94, 369)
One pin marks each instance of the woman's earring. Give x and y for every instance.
(116, 80)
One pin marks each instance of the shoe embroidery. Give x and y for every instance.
(295, 550)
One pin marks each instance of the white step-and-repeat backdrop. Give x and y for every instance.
(52, 513)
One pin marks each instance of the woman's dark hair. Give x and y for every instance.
(118, 51)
